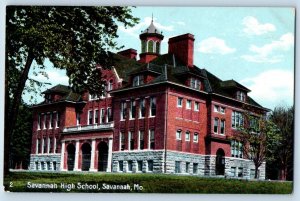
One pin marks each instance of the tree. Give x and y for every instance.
(72, 38)
(280, 145)
(254, 136)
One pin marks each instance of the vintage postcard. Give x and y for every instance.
(149, 99)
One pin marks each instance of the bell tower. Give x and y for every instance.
(150, 43)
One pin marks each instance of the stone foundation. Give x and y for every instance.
(45, 162)
(189, 164)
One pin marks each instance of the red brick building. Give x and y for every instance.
(161, 114)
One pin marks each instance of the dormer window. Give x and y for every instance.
(93, 97)
(110, 85)
(138, 80)
(47, 98)
(241, 96)
(195, 83)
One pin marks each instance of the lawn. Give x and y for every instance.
(137, 183)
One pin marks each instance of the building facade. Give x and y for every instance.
(161, 114)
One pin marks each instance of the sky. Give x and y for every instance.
(254, 46)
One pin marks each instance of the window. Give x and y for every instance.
(96, 117)
(150, 46)
(109, 115)
(195, 83)
(93, 97)
(216, 108)
(45, 121)
(121, 166)
(233, 171)
(144, 46)
(222, 125)
(177, 167)
(55, 146)
(123, 110)
(141, 140)
(140, 166)
(179, 102)
(241, 96)
(38, 146)
(43, 165)
(150, 165)
(36, 165)
(196, 106)
(138, 80)
(44, 146)
(240, 172)
(90, 117)
(157, 47)
(131, 140)
(48, 165)
(49, 145)
(77, 118)
(110, 85)
(195, 168)
(132, 109)
(122, 141)
(188, 104)
(57, 120)
(196, 136)
(236, 119)
(102, 116)
(236, 149)
(39, 125)
(187, 167)
(54, 165)
(216, 123)
(187, 136)
(129, 163)
(152, 106)
(178, 134)
(142, 108)
(222, 110)
(51, 123)
(252, 173)
(151, 139)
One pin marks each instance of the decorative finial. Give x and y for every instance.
(152, 18)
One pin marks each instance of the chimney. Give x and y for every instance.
(129, 53)
(183, 48)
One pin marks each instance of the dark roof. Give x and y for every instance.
(66, 93)
(233, 84)
(124, 65)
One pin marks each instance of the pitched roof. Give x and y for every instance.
(66, 93)
(151, 29)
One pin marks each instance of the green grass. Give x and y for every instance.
(151, 183)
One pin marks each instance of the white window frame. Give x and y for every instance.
(196, 106)
(39, 122)
(78, 119)
(123, 107)
(54, 145)
(142, 103)
(132, 104)
(216, 120)
(50, 120)
(152, 101)
(216, 108)
(149, 137)
(222, 110)
(222, 133)
(120, 141)
(178, 134)
(107, 116)
(44, 121)
(102, 114)
(96, 111)
(179, 101)
(37, 144)
(187, 136)
(139, 139)
(110, 85)
(196, 134)
(137, 80)
(130, 134)
(88, 117)
(188, 104)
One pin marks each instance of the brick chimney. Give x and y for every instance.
(183, 47)
(129, 53)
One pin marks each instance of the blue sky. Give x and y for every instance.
(254, 46)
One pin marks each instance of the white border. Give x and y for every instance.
(145, 197)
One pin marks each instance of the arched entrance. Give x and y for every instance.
(102, 156)
(220, 162)
(86, 157)
(71, 157)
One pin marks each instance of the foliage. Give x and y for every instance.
(76, 39)
(254, 137)
(151, 183)
(20, 143)
(280, 143)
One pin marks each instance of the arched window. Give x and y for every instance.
(144, 46)
(150, 46)
(178, 134)
(157, 47)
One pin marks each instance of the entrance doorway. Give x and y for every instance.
(220, 162)
(71, 157)
(102, 156)
(86, 157)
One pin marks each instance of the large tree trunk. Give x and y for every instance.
(12, 109)
(256, 172)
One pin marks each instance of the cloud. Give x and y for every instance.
(213, 45)
(141, 26)
(55, 77)
(254, 27)
(268, 53)
(181, 23)
(271, 88)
